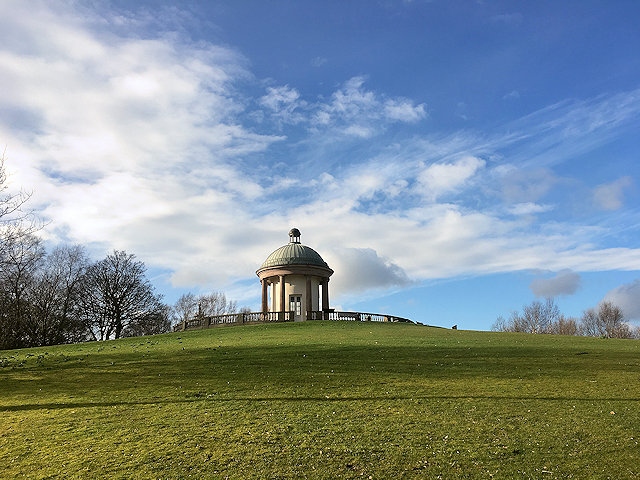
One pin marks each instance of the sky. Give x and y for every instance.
(451, 161)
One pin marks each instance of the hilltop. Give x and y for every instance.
(323, 400)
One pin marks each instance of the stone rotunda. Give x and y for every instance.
(294, 278)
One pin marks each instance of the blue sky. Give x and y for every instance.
(450, 160)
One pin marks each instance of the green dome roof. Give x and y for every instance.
(294, 253)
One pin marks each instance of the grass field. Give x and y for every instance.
(323, 400)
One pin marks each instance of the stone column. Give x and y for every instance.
(309, 298)
(265, 305)
(283, 295)
(325, 294)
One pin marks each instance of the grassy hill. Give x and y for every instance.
(323, 400)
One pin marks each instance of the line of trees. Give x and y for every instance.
(62, 297)
(49, 298)
(606, 320)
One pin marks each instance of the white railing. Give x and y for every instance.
(357, 317)
(202, 321)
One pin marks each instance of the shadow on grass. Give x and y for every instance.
(319, 399)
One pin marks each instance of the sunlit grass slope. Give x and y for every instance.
(323, 400)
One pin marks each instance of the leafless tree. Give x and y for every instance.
(537, 317)
(29, 282)
(500, 325)
(190, 306)
(21, 260)
(55, 298)
(215, 303)
(16, 222)
(185, 308)
(58, 298)
(11, 203)
(605, 321)
(151, 324)
(117, 294)
(565, 326)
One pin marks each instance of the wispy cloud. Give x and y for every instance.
(440, 178)
(570, 128)
(361, 112)
(522, 185)
(529, 208)
(610, 196)
(352, 110)
(283, 102)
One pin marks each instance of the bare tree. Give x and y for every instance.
(11, 204)
(153, 323)
(117, 294)
(215, 303)
(185, 308)
(537, 317)
(21, 259)
(565, 326)
(540, 316)
(592, 325)
(605, 321)
(501, 325)
(16, 222)
(190, 306)
(20, 253)
(55, 297)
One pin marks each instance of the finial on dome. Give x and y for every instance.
(294, 235)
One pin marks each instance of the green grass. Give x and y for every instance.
(323, 400)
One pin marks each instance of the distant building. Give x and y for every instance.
(295, 279)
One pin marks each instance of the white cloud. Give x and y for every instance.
(362, 269)
(439, 179)
(610, 196)
(283, 102)
(526, 186)
(627, 297)
(351, 112)
(359, 131)
(359, 112)
(529, 208)
(279, 98)
(404, 110)
(565, 282)
(352, 100)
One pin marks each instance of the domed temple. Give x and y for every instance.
(294, 278)
(295, 287)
